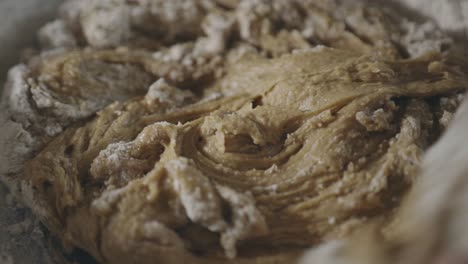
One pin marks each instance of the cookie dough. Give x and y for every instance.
(239, 139)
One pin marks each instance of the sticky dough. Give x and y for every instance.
(209, 151)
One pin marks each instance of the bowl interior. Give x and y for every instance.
(20, 22)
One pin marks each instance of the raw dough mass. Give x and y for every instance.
(214, 131)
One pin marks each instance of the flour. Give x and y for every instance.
(106, 23)
(379, 119)
(164, 93)
(247, 220)
(56, 34)
(114, 156)
(16, 115)
(451, 15)
(218, 29)
(104, 204)
(425, 38)
(116, 152)
(197, 194)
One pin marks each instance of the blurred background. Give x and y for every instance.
(20, 21)
(22, 18)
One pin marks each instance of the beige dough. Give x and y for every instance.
(248, 144)
(305, 148)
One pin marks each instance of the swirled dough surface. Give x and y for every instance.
(292, 151)
(230, 147)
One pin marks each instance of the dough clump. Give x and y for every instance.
(222, 131)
